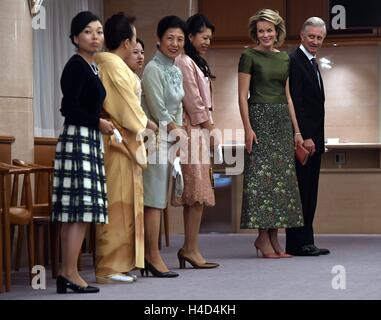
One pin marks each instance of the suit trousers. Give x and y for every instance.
(308, 180)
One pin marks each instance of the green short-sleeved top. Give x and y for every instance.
(269, 72)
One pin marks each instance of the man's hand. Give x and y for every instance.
(310, 146)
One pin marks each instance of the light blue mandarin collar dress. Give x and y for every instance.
(162, 85)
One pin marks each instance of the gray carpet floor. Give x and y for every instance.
(242, 275)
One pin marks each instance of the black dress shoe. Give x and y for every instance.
(156, 273)
(323, 251)
(182, 258)
(63, 284)
(305, 251)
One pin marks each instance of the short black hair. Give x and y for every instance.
(138, 40)
(80, 22)
(118, 28)
(170, 22)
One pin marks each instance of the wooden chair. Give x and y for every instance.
(3, 239)
(42, 208)
(17, 213)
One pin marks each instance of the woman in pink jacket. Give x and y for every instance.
(197, 103)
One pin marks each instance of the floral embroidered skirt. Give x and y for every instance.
(270, 189)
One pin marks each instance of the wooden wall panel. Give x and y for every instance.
(148, 14)
(44, 153)
(231, 18)
(348, 203)
(352, 93)
(299, 11)
(44, 150)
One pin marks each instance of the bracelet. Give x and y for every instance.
(298, 134)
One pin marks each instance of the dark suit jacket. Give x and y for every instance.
(308, 98)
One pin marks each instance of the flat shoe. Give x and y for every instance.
(135, 277)
(114, 278)
(63, 284)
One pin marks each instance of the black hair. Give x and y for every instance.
(196, 24)
(170, 22)
(80, 22)
(138, 40)
(118, 28)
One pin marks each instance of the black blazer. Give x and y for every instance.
(308, 98)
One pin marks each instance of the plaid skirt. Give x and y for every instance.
(79, 185)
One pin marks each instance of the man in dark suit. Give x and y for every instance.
(307, 92)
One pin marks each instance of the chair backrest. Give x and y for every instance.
(43, 184)
(26, 192)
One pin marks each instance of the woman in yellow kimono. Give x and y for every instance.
(120, 244)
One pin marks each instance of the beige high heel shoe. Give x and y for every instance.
(271, 255)
(283, 254)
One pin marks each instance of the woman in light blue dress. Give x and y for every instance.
(161, 100)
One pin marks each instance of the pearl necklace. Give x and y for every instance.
(93, 66)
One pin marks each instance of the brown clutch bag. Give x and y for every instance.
(301, 154)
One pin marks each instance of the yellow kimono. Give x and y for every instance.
(120, 244)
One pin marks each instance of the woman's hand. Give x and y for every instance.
(181, 139)
(106, 127)
(298, 139)
(152, 126)
(214, 141)
(250, 138)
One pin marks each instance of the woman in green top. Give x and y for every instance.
(270, 193)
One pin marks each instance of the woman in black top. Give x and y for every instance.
(79, 187)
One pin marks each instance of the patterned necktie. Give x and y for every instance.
(316, 68)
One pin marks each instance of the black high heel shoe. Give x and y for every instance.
(156, 273)
(63, 284)
(182, 258)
